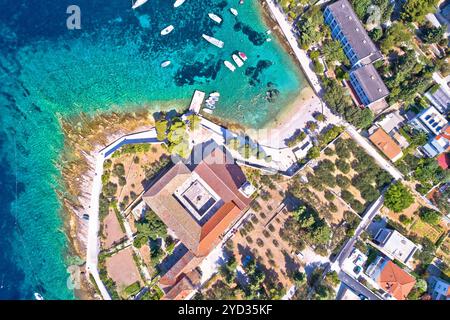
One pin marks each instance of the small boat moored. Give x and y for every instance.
(167, 30)
(178, 3)
(38, 296)
(234, 11)
(229, 65)
(243, 56)
(165, 63)
(214, 41)
(215, 17)
(237, 60)
(138, 3)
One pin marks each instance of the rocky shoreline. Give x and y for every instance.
(83, 136)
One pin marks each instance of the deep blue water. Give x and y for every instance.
(112, 63)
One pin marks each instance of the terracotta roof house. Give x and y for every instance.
(183, 288)
(386, 144)
(391, 278)
(444, 161)
(198, 201)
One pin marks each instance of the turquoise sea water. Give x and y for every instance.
(112, 63)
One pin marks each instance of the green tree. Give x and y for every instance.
(360, 7)
(433, 35)
(313, 153)
(416, 10)
(161, 129)
(430, 216)
(397, 35)
(333, 52)
(398, 197)
(299, 278)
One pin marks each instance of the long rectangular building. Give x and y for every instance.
(368, 84)
(347, 28)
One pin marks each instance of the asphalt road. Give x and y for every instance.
(357, 286)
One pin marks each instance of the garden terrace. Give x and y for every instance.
(343, 174)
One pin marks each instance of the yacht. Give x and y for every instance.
(167, 30)
(237, 60)
(243, 56)
(234, 11)
(165, 63)
(138, 3)
(178, 3)
(214, 41)
(215, 17)
(38, 296)
(229, 65)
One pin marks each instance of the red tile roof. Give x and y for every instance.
(444, 161)
(216, 226)
(396, 281)
(386, 144)
(199, 237)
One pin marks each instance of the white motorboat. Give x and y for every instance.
(167, 30)
(178, 3)
(243, 56)
(214, 41)
(38, 296)
(165, 63)
(214, 94)
(237, 60)
(138, 3)
(206, 110)
(229, 65)
(234, 11)
(215, 17)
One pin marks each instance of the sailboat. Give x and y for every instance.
(138, 3)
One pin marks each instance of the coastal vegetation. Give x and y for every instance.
(339, 101)
(172, 131)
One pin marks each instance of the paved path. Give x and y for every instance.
(301, 55)
(93, 245)
(289, 294)
(365, 222)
